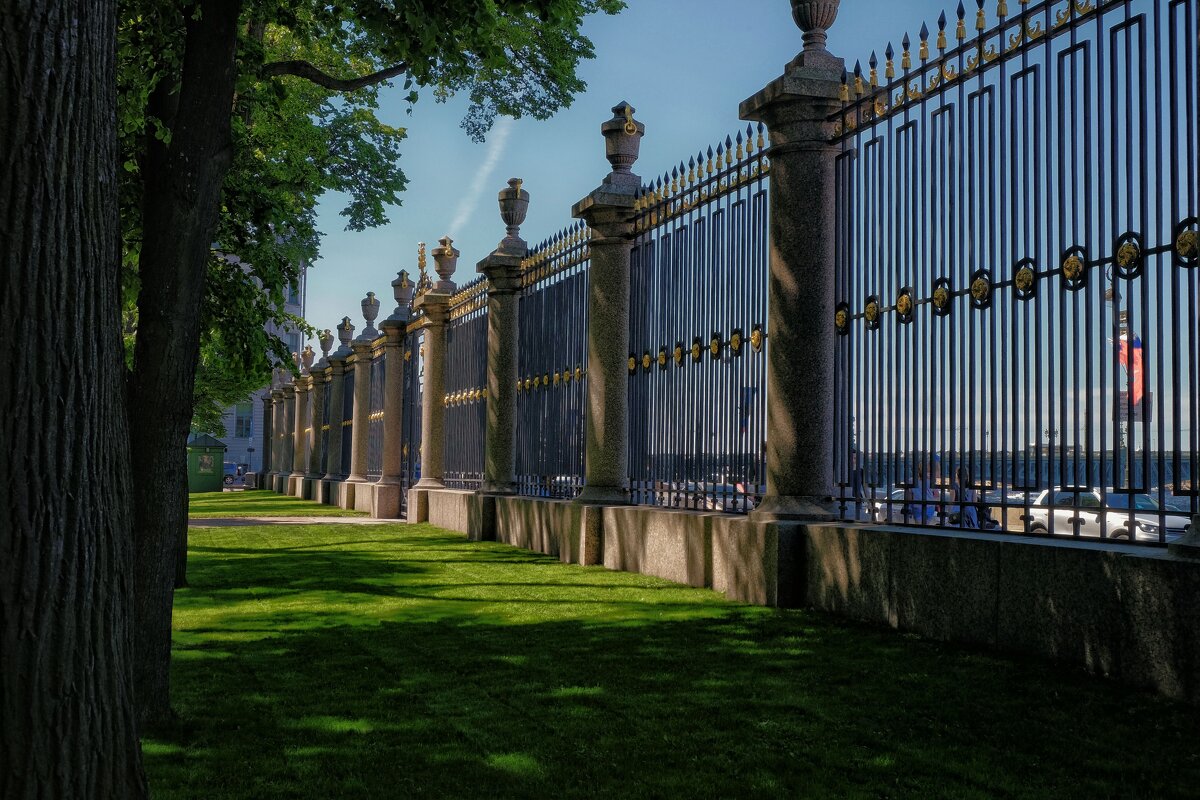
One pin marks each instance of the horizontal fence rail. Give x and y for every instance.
(466, 386)
(552, 366)
(1017, 274)
(698, 313)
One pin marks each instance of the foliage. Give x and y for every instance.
(305, 121)
(405, 661)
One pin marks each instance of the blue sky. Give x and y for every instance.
(685, 65)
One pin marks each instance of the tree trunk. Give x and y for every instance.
(183, 180)
(67, 723)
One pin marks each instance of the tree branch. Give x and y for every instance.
(303, 69)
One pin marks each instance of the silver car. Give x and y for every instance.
(1131, 517)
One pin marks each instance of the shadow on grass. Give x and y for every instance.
(372, 668)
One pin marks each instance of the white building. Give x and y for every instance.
(243, 421)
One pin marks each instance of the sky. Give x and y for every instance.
(685, 65)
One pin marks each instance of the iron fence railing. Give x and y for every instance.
(347, 418)
(466, 386)
(375, 421)
(1017, 282)
(552, 366)
(698, 313)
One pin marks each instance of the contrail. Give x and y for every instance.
(495, 151)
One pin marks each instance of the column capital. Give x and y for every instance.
(503, 271)
(362, 348)
(609, 211)
(395, 330)
(796, 106)
(288, 391)
(304, 383)
(436, 306)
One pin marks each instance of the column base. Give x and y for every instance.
(295, 485)
(385, 500)
(603, 496)
(498, 489)
(1189, 545)
(429, 484)
(794, 508)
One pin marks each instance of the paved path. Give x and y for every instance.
(240, 522)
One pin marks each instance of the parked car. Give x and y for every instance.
(1179, 504)
(1132, 517)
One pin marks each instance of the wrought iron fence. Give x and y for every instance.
(410, 440)
(466, 386)
(347, 418)
(698, 312)
(1016, 273)
(322, 426)
(375, 421)
(552, 366)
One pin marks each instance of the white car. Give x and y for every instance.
(1083, 508)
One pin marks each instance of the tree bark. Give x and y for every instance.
(183, 180)
(67, 722)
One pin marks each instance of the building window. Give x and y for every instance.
(243, 421)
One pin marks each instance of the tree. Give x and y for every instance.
(235, 116)
(67, 724)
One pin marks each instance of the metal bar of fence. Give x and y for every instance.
(552, 365)
(1017, 248)
(375, 418)
(697, 393)
(466, 382)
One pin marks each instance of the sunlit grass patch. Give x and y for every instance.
(259, 503)
(332, 661)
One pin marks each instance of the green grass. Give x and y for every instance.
(259, 503)
(393, 662)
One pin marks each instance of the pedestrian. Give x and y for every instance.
(967, 498)
(856, 483)
(921, 501)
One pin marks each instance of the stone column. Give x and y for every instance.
(287, 443)
(609, 212)
(362, 347)
(436, 306)
(300, 418)
(300, 436)
(278, 417)
(389, 487)
(268, 441)
(796, 108)
(320, 382)
(503, 271)
(331, 483)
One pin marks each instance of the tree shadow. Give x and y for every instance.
(609, 685)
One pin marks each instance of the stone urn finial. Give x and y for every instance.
(345, 330)
(623, 143)
(514, 205)
(402, 290)
(814, 18)
(446, 259)
(306, 359)
(370, 312)
(326, 340)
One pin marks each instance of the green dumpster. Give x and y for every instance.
(206, 463)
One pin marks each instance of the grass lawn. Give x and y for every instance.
(391, 662)
(259, 503)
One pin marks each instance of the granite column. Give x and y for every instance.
(798, 109)
(609, 212)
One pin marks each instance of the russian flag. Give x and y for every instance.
(1131, 360)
